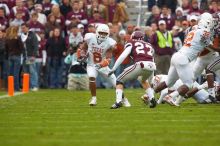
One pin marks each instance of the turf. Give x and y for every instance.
(63, 118)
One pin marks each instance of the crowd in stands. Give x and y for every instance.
(36, 36)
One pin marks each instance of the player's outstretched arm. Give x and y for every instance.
(122, 57)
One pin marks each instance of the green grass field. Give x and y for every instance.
(63, 118)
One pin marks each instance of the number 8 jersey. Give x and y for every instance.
(97, 51)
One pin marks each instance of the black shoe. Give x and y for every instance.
(213, 99)
(116, 105)
(152, 103)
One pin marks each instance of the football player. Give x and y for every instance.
(143, 67)
(180, 68)
(209, 55)
(201, 97)
(97, 50)
(215, 64)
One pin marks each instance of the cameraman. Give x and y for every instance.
(77, 76)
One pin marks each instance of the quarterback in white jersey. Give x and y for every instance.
(180, 68)
(97, 49)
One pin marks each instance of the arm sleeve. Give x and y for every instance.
(122, 57)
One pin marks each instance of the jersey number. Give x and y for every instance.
(97, 57)
(140, 48)
(187, 41)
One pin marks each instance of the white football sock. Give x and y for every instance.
(180, 99)
(119, 93)
(150, 93)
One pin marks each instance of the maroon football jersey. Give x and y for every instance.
(141, 51)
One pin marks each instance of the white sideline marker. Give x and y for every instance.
(6, 96)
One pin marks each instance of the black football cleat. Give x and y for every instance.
(116, 105)
(152, 103)
(213, 99)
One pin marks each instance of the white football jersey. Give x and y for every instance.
(97, 51)
(195, 42)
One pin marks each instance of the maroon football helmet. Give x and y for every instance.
(137, 35)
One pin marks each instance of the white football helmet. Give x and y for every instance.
(102, 32)
(206, 21)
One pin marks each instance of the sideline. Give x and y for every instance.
(15, 94)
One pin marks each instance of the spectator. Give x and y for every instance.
(91, 28)
(47, 7)
(114, 30)
(2, 59)
(50, 25)
(35, 25)
(186, 7)
(18, 20)
(77, 15)
(81, 28)
(75, 37)
(129, 31)
(171, 4)
(154, 27)
(96, 6)
(148, 34)
(176, 38)
(59, 18)
(20, 8)
(30, 5)
(167, 17)
(56, 50)
(204, 5)
(77, 76)
(213, 8)
(96, 19)
(14, 48)
(116, 13)
(41, 60)
(194, 10)
(179, 14)
(41, 17)
(154, 16)
(5, 8)
(163, 44)
(9, 3)
(193, 21)
(3, 20)
(30, 43)
(65, 8)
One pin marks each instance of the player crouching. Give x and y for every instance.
(143, 67)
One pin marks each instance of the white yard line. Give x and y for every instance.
(16, 94)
